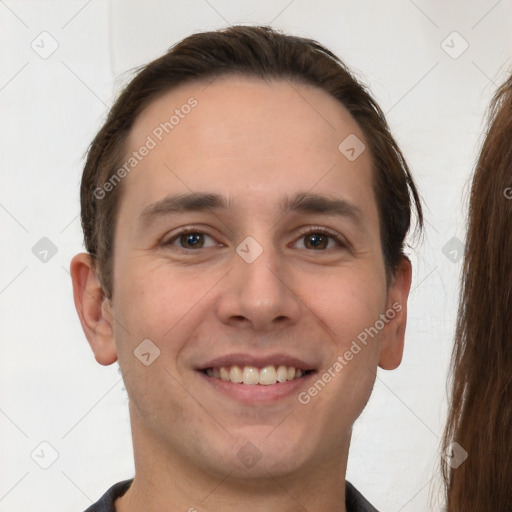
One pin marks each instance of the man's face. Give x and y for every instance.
(267, 277)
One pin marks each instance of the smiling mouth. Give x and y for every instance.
(251, 375)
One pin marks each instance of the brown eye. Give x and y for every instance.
(320, 239)
(316, 241)
(191, 240)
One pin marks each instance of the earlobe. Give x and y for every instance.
(392, 347)
(94, 309)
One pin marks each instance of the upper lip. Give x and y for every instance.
(243, 359)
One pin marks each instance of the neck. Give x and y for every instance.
(165, 480)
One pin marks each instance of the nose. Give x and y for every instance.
(259, 295)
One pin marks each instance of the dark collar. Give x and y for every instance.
(354, 500)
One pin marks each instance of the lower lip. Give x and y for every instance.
(258, 393)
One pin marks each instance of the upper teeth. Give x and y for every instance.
(252, 375)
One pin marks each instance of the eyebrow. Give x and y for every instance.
(314, 203)
(302, 202)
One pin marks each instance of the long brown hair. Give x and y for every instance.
(480, 415)
(254, 51)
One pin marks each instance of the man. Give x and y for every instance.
(244, 210)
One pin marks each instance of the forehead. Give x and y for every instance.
(239, 134)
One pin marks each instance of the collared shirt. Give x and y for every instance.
(354, 500)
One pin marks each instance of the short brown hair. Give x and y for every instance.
(257, 52)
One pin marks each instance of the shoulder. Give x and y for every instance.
(355, 501)
(106, 502)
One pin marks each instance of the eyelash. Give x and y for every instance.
(303, 232)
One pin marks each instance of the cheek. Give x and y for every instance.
(156, 302)
(151, 300)
(150, 334)
(350, 306)
(349, 302)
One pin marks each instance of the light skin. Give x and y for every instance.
(255, 143)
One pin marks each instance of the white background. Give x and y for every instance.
(52, 389)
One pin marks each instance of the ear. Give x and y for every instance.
(392, 346)
(94, 309)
